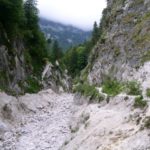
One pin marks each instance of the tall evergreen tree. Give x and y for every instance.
(95, 33)
(34, 38)
(31, 13)
(56, 52)
(11, 13)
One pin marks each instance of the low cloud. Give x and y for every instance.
(80, 13)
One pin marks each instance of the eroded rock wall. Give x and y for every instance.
(12, 62)
(124, 44)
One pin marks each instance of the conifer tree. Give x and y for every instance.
(95, 33)
(11, 13)
(56, 52)
(31, 13)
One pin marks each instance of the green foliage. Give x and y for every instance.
(146, 57)
(31, 14)
(139, 102)
(33, 37)
(56, 52)
(133, 88)
(148, 92)
(3, 81)
(11, 14)
(112, 87)
(140, 38)
(33, 85)
(95, 33)
(129, 18)
(82, 57)
(88, 91)
(18, 29)
(76, 59)
(104, 24)
(37, 49)
(117, 52)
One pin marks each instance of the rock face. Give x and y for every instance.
(13, 68)
(55, 78)
(124, 44)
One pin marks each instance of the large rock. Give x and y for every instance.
(55, 78)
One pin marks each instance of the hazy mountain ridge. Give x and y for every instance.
(66, 35)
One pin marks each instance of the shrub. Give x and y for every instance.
(89, 91)
(139, 102)
(145, 57)
(147, 123)
(133, 88)
(117, 52)
(33, 85)
(148, 92)
(112, 87)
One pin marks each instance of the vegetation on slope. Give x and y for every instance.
(89, 91)
(76, 58)
(20, 21)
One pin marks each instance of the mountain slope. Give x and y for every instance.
(66, 35)
(124, 44)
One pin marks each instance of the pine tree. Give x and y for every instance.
(34, 38)
(95, 33)
(31, 13)
(11, 14)
(56, 52)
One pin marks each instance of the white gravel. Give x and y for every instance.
(45, 122)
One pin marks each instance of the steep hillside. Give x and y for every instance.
(66, 35)
(13, 67)
(124, 42)
(23, 48)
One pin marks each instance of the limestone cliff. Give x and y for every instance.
(124, 43)
(55, 78)
(13, 67)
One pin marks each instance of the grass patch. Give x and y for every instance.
(112, 87)
(139, 102)
(145, 57)
(129, 18)
(148, 92)
(117, 52)
(133, 88)
(89, 91)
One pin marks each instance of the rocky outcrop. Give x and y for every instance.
(124, 44)
(13, 67)
(55, 78)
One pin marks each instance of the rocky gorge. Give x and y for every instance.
(52, 121)
(106, 108)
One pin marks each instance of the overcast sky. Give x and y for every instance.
(80, 13)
